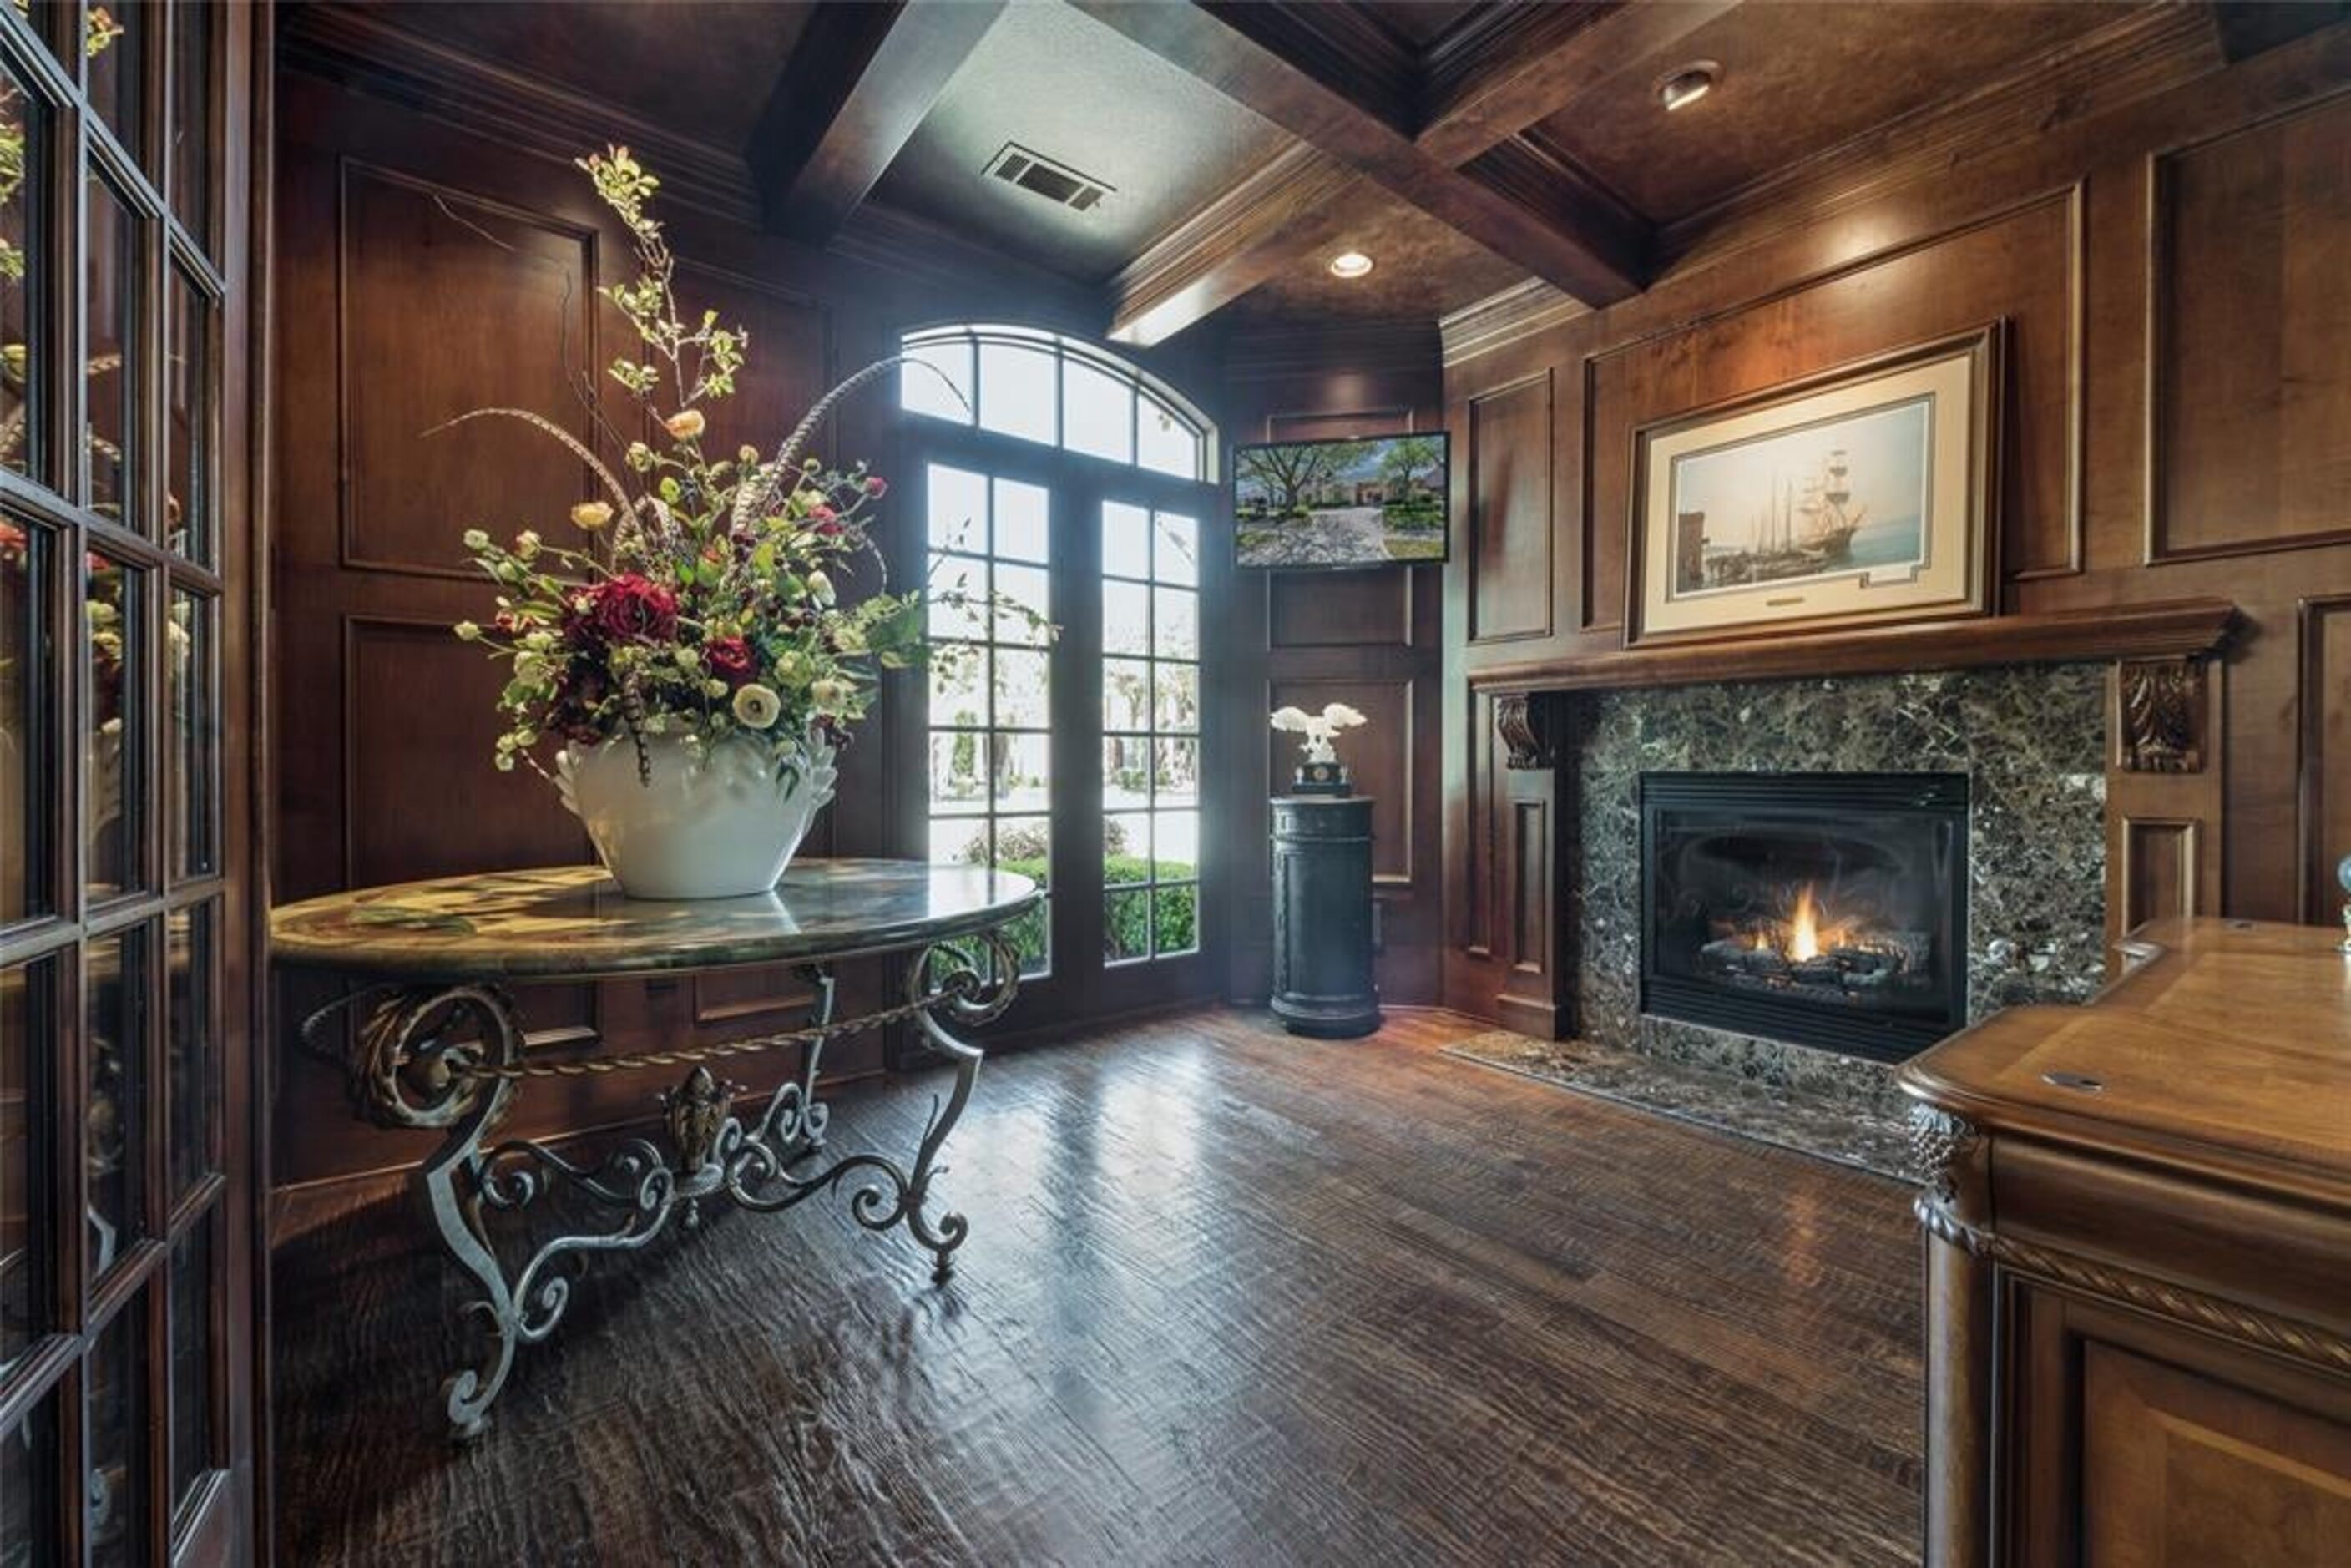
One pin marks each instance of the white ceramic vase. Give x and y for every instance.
(720, 827)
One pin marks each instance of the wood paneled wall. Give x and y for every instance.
(2171, 273)
(1367, 638)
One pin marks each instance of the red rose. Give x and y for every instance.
(729, 659)
(877, 486)
(632, 609)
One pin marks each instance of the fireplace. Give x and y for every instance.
(1828, 909)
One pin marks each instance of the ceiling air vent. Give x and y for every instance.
(1057, 182)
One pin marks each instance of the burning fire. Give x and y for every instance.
(1803, 928)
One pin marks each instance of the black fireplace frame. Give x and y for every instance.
(1804, 797)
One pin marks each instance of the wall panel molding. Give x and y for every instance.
(2322, 754)
(2270, 225)
(1508, 544)
(2160, 875)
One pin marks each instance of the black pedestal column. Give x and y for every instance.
(1322, 915)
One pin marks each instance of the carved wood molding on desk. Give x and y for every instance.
(2176, 629)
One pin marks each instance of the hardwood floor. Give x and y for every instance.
(1229, 1297)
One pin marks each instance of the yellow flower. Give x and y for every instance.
(589, 516)
(684, 424)
(758, 707)
(829, 694)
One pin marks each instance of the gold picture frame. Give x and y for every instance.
(1867, 495)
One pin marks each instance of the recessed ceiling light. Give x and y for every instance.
(1685, 84)
(1350, 264)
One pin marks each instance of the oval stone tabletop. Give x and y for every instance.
(572, 923)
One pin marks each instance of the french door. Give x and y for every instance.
(1075, 759)
(124, 1244)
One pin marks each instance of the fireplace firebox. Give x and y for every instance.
(1828, 909)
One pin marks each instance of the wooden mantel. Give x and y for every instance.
(2175, 629)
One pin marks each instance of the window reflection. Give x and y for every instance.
(187, 373)
(188, 1022)
(192, 1454)
(115, 40)
(111, 735)
(109, 369)
(191, 765)
(22, 159)
(24, 774)
(191, 119)
(115, 1491)
(27, 996)
(114, 1132)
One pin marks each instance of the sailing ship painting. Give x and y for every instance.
(1842, 496)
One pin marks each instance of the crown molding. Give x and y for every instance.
(358, 49)
(1519, 311)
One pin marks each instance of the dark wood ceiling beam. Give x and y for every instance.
(1542, 62)
(858, 84)
(1297, 204)
(1599, 260)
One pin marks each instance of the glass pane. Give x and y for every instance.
(1126, 695)
(1127, 925)
(952, 598)
(958, 509)
(1176, 623)
(959, 840)
(1126, 540)
(959, 687)
(192, 761)
(1175, 697)
(943, 391)
(113, 595)
(191, 119)
(1126, 617)
(188, 1020)
(1015, 391)
(29, 1488)
(1023, 521)
(1097, 413)
(27, 1022)
(192, 1360)
(115, 44)
(1165, 441)
(1126, 847)
(957, 782)
(187, 501)
(1175, 925)
(1176, 779)
(1177, 558)
(1025, 844)
(26, 781)
(1127, 771)
(1023, 689)
(115, 1134)
(112, 276)
(23, 184)
(1023, 588)
(115, 1492)
(1023, 767)
(1176, 845)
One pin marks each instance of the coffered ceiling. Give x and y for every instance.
(1468, 146)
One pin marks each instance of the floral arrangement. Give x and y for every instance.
(1319, 728)
(710, 603)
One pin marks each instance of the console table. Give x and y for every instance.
(438, 1047)
(2138, 1261)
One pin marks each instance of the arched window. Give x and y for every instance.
(1076, 485)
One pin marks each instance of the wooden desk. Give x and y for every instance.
(2138, 1262)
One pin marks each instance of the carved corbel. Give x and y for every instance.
(1951, 1151)
(1518, 725)
(2163, 708)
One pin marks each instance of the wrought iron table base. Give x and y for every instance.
(415, 1068)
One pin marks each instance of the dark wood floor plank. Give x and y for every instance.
(1229, 1297)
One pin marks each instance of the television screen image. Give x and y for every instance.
(1370, 502)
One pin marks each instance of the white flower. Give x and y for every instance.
(475, 540)
(820, 588)
(829, 694)
(758, 706)
(527, 544)
(466, 630)
(850, 640)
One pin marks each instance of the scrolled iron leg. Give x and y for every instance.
(411, 1072)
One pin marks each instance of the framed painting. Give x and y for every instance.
(1862, 495)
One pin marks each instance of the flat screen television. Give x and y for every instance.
(1375, 501)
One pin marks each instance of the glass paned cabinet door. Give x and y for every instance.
(118, 908)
